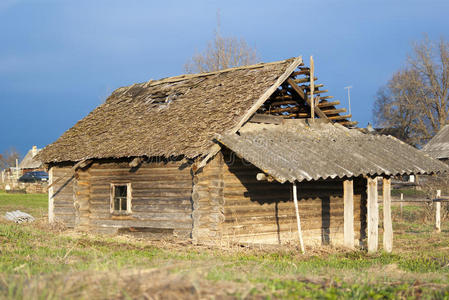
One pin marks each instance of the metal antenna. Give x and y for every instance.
(349, 100)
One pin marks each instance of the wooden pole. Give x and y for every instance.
(298, 220)
(388, 226)
(402, 199)
(312, 88)
(348, 196)
(373, 215)
(51, 205)
(438, 212)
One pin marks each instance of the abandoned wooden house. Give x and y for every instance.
(253, 154)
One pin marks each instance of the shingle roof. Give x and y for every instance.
(297, 151)
(438, 146)
(169, 117)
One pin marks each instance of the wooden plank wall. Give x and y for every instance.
(61, 208)
(207, 198)
(263, 212)
(161, 198)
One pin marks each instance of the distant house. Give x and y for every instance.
(30, 161)
(438, 146)
(222, 157)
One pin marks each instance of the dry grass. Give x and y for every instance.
(38, 261)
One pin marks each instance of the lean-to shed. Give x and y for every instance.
(218, 157)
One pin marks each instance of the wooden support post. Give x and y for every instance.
(348, 196)
(298, 220)
(51, 205)
(438, 212)
(402, 199)
(312, 89)
(373, 214)
(388, 226)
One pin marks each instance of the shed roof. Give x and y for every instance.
(172, 116)
(30, 160)
(297, 151)
(438, 146)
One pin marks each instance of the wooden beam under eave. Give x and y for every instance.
(388, 225)
(348, 197)
(296, 88)
(372, 214)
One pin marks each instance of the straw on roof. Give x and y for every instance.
(169, 117)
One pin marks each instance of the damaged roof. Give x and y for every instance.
(172, 116)
(298, 151)
(438, 146)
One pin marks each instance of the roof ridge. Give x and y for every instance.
(182, 77)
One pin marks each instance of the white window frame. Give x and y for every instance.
(128, 199)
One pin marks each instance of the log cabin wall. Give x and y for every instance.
(263, 212)
(207, 196)
(160, 198)
(60, 196)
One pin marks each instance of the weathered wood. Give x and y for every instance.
(298, 219)
(301, 94)
(438, 213)
(297, 62)
(372, 214)
(267, 119)
(307, 79)
(348, 198)
(327, 104)
(334, 111)
(312, 89)
(51, 215)
(333, 118)
(388, 225)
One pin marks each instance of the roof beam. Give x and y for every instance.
(296, 88)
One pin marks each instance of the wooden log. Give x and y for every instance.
(334, 111)
(438, 212)
(334, 118)
(388, 226)
(298, 220)
(348, 196)
(301, 94)
(292, 102)
(307, 79)
(317, 92)
(327, 104)
(372, 215)
(302, 72)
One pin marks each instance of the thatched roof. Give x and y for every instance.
(30, 160)
(172, 116)
(297, 151)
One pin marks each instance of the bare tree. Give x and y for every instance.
(416, 99)
(222, 53)
(8, 158)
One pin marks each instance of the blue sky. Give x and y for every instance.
(60, 59)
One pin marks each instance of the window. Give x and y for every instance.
(121, 198)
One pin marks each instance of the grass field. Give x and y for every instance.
(42, 262)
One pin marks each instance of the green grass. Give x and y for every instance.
(40, 262)
(408, 192)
